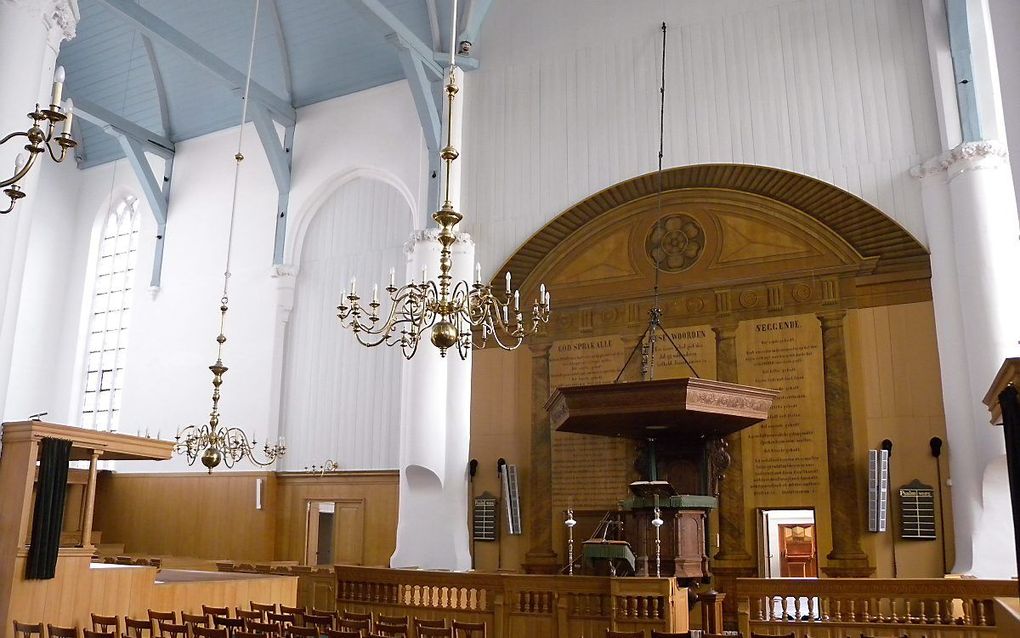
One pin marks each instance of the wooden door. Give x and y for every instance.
(349, 532)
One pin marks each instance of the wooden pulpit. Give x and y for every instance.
(680, 424)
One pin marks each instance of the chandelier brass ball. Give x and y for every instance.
(444, 335)
(211, 458)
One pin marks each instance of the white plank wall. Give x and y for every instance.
(566, 102)
(341, 401)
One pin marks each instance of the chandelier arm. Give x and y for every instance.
(11, 136)
(24, 169)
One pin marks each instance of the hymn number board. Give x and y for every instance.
(485, 513)
(917, 511)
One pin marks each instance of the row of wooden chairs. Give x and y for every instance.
(260, 621)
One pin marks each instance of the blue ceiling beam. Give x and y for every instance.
(963, 68)
(389, 23)
(421, 90)
(476, 13)
(157, 78)
(279, 155)
(276, 153)
(150, 24)
(119, 126)
(281, 43)
(156, 192)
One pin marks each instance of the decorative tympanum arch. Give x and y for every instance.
(734, 243)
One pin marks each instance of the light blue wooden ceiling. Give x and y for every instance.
(332, 49)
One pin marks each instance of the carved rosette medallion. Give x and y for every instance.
(675, 242)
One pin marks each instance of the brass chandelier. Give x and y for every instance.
(39, 141)
(211, 442)
(462, 315)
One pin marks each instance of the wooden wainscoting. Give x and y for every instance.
(878, 607)
(518, 605)
(80, 588)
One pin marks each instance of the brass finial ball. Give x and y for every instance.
(444, 335)
(211, 458)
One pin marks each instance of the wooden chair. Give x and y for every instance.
(195, 620)
(89, 633)
(281, 620)
(319, 621)
(298, 612)
(624, 634)
(169, 629)
(248, 634)
(362, 626)
(216, 611)
(137, 628)
(55, 631)
(264, 608)
(297, 631)
(789, 635)
(428, 622)
(666, 634)
(469, 629)
(267, 628)
(159, 617)
(245, 614)
(232, 625)
(105, 624)
(424, 631)
(342, 633)
(356, 615)
(391, 620)
(201, 631)
(387, 629)
(25, 630)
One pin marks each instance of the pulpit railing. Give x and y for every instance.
(870, 607)
(518, 605)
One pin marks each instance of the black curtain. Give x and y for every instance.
(1010, 405)
(50, 491)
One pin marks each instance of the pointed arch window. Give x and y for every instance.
(109, 317)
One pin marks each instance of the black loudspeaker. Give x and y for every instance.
(936, 446)
(887, 446)
(473, 467)
(499, 465)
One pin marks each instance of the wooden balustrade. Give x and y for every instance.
(316, 586)
(518, 605)
(836, 608)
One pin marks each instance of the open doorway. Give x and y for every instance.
(335, 532)
(788, 543)
(319, 546)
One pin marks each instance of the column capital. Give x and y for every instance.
(431, 236)
(832, 319)
(539, 350)
(59, 16)
(726, 330)
(966, 156)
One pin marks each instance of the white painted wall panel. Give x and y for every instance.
(566, 102)
(341, 401)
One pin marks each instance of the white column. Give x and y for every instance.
(432, 528)
(970, 216)
(285, 277)
(30, 35)
(971, 221)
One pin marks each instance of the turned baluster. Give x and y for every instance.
(968, 618)
(838, 616)
(981, 619)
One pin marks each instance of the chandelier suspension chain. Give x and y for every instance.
(211, 443)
